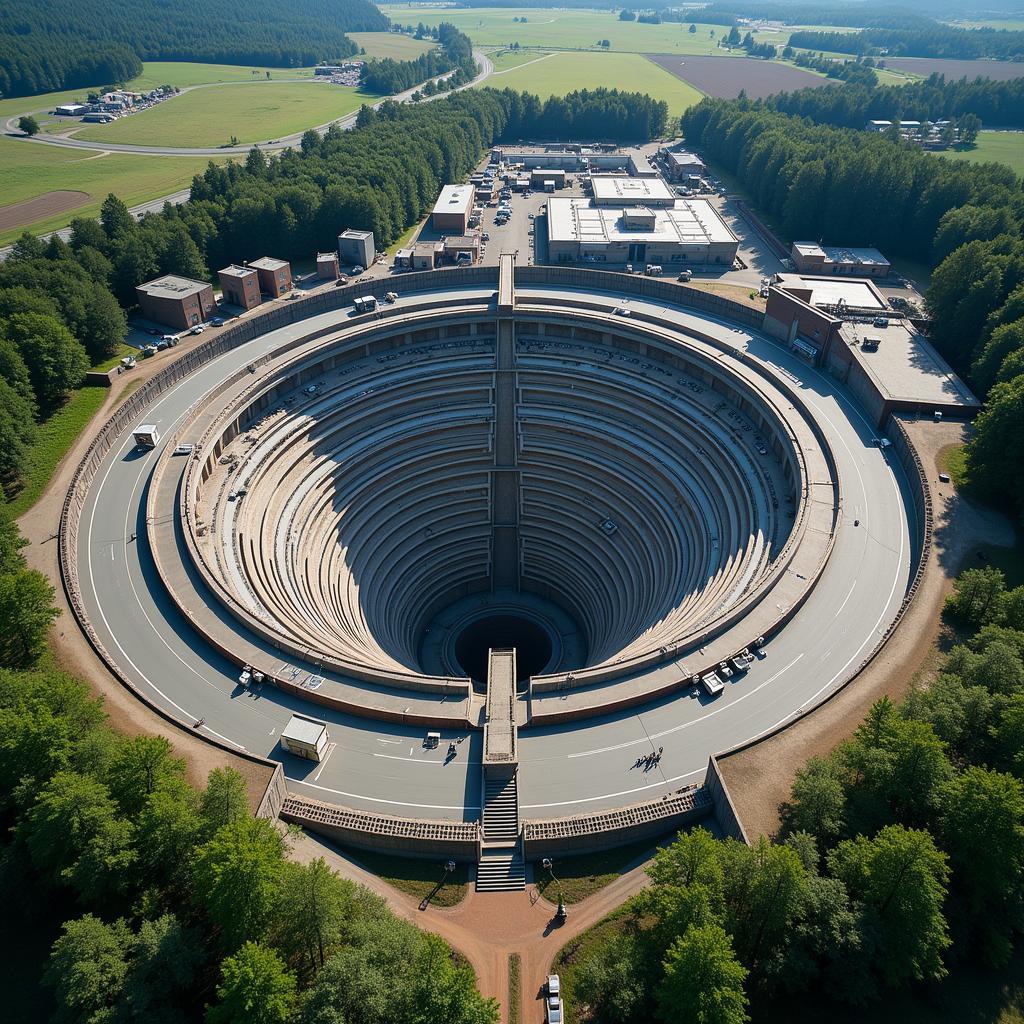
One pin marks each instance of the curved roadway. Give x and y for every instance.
(564, 769)
(346, 122)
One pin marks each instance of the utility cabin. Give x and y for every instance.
(305, 737)
(146, 436)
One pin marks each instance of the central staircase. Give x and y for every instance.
(500, 865)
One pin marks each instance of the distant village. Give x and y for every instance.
(112, 105)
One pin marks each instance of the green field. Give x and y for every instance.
(488, 26)
(28, 170)
(506, 60)
(994, 147)
(560, 73)
(390, 44)
(210, 116)
(154, 74)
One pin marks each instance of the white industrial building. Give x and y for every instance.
(689, 232)
(620, 190)
(813, 258)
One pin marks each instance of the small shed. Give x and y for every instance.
(305, 737)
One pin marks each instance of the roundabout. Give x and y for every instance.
(376, 501)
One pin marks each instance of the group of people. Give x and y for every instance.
(652, 760)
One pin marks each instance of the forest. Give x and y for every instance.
(900, 857)
(995, 103)
(931, 40)
(861, 188)
(455, 53)
(68, 45)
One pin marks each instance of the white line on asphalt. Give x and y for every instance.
(612, 796)
(393, 803)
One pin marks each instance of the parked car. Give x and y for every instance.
(217, 321)
(162, 344)
(685, 275)
(184, 449)
(198, 329)
(880, 321)
(357, 269)
(391, 296)
(148, 350)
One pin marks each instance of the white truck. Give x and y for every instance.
(365, 304)
(146, 436)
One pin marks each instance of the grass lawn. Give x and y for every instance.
(580, 877)
(993, 147)
(55, 437)
(515, 1009)
(28, 170)
(570, 29)
(506, 60)
(155, 73)
(391, 44)
(414, 876)
(211, 116)
(561, 73)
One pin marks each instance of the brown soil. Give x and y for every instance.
(487, 927)
(70, 648)
(737, 292)
(724, 77)
(28, 211)
(760, 777)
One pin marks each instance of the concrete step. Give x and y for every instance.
(500, 872)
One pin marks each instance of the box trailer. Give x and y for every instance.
(146, 436)
(365, 304)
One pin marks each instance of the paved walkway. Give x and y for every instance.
(487, 927)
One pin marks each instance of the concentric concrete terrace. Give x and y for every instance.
(628, 500)
(620, 486)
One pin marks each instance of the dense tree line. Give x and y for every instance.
(930, 40)
(995, 103)
(57, 317)
(66, 44)
(174, 903)
(901, 853)
(387, 76)
(853, 72)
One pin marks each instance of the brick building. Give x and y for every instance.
(275, 276)
(240, 285)
(176, 301)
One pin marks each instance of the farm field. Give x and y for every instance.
(30, 171)
(559, 73)
(390, 44)
(725, 79)
(490, 26)
(998, 70)
(994, 147)
(211, 116)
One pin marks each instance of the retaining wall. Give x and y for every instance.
(725, 812)
(602, 830)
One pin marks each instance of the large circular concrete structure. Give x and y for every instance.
(376, 501)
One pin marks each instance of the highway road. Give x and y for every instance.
(565, 769)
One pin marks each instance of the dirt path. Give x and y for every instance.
(72, 651)
(487, 927)
(759, 778)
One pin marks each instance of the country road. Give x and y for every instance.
(154, 205)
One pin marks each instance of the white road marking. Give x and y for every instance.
(612, 796)
(393, 803)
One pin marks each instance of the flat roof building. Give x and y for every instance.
(275, 276)
(176, 301)
(689, 232)
(356, 249)
(425, 255)
(681, 164)
(619, 190)
(812, 258)
(453, 209)
(889, 368)
(240, 286)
